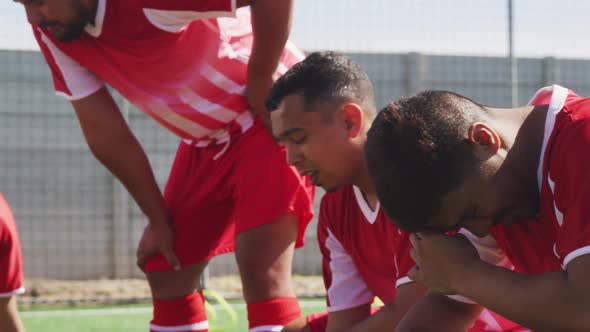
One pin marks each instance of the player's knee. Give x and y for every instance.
(297, 325)
(259, 284)
(174, 284)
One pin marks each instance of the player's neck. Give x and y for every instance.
(524, 131)
(365, 184)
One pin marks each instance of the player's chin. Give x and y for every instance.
(329, 187)
(68, 34)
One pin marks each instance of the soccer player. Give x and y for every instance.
(11, 270)
(321, 110)
(515, 178)
(202, 70)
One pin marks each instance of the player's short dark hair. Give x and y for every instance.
(417, 152)
(325, 76)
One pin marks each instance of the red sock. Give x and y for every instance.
(185, 314)
(272, 315)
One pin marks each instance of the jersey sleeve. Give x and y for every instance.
(344, 285)
(173, 16)
(11, 277)
(489, 252)
(70, 79)
(569, 180)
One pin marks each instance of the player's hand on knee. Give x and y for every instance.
(157, 238)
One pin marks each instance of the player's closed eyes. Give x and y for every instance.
(298, 139)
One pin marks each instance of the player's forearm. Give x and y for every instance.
(120, 152)
(438, 313)
(271, 24)
(113, 144)
(340, 321)
(543, 302)
(388, 317)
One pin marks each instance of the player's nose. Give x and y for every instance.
(294, 157)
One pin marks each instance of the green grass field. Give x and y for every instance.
(130, 318)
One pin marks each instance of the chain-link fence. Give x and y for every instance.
(77, 222)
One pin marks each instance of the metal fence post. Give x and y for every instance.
(122, 262)
(550, 71)
(415, 73)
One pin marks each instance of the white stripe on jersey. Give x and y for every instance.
(162, 110)
(176, 20)
(348, 289)
(221, 81)
(206, 107)
(558, 213)
(290, 46)
(78, 80)
(403, 281)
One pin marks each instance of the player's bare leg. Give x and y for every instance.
(298, 325)
(172, 284)
(177, 298)
(9, 319)
(265, 255)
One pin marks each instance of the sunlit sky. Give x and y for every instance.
(474, 27)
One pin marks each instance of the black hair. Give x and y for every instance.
(325, 76)
(417, 152)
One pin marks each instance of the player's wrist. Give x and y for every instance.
(158, 219)
(469, 277)
(261, 69)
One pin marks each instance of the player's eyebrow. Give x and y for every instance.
(287, 133)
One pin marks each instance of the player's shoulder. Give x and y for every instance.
(573, 126)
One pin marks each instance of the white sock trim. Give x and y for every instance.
(204, 325)
(266, 328)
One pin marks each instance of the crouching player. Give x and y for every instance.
(321, 110)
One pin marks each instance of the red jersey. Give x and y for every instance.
(183, 63)
(561, 232)
(363, 253)
(11, 269)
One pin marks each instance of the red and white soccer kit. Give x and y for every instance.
(184, 64)
(11, 265)
(364, 255)
(561, 233)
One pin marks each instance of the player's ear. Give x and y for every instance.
(353, 119)
(485, 140)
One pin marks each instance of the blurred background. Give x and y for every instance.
(77, 222)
